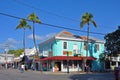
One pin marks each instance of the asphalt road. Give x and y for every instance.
(12, 74)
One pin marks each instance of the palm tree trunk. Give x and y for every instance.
(87, 45)
(24, 41)
(87, 41)
(34, 38)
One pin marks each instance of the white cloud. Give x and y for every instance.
(50, 35)
(41, 37)
(36, 37)
(10, 43)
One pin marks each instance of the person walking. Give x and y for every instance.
(22, 68)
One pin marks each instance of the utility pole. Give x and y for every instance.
(6, 50)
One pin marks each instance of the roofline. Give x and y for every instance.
(50, 39)
(72, 39)
(65, 38)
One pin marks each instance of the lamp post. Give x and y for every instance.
(6, 58)
(6, 50)
(67, 62)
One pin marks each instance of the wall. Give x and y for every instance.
(57, 50)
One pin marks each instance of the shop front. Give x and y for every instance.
(62, 63)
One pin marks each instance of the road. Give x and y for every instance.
(12, 74)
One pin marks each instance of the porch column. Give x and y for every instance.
(78, 66)
(38, 66)
(53, 66)
(61, 66)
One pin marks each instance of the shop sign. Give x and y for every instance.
(65, 52)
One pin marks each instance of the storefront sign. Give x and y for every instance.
(65, 52)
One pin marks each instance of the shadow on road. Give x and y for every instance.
(95, 76)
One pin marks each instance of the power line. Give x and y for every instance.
(51, 13)
(71, 29)
(4, 14)
(27, 5)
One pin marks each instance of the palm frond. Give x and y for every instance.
(82, 24)
(18, 27)
(33, 17)
(28, 26)
(87, 19)
(94, 23)
(38, 21)
(23, 24)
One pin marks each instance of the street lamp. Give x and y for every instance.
(6, 50)
(6, 58)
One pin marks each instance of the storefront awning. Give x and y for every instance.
(64, 58)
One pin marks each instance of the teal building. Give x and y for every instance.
(66, 49)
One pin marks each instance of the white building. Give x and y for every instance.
(6, 58)
(29, 52)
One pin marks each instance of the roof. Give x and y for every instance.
(64, 58)
(65, 35)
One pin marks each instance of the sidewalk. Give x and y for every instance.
(65, 73)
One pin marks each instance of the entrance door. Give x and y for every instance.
(58, 64)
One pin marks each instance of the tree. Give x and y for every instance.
(34, 18)
(23, 25)
(87, 19)
(17, 53)
(112, 42)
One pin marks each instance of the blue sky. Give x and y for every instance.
(65, 13)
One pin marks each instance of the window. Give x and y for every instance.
(75, 64)
(70, 63)
(75, 52)
(75, 49)
(64, 64)
(64, 45)
(97, 47)
(85, 46)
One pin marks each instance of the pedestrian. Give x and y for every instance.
(22, 68)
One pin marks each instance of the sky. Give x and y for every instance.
(63, 13)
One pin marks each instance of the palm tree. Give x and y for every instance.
(23, 25)
(34, 18)
(87, 19)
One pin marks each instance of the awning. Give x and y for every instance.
(64, 58)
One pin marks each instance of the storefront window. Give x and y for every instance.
(70, 64)
(75, 64)
(80, 64)
(64, 64)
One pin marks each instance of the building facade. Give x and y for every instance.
(6, 58)
(68, 50)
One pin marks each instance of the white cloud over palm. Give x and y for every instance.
(41, 37)
(36, 37)
(10, 42)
